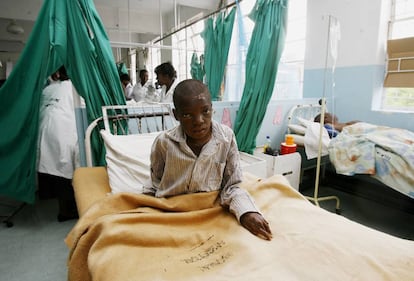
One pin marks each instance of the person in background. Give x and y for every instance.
(167, 79)
(58, 151)
(332, 124)
(201, 155)
(127, 86)
(140, 90)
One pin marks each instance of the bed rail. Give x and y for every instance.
(130, 119)
(305, 111)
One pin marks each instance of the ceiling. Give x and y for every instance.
(135, 20)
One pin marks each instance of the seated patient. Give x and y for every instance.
(201, 155)
(332, 124)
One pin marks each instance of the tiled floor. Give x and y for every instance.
(34, 248)
(385, 211)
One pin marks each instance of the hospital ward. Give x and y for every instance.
(210, 140)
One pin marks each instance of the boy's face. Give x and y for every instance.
(194, 114)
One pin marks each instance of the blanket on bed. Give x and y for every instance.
(385, 153)
(190, 237)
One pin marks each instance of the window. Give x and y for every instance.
(186, 42)
(399, 91)
(289, 80)
(402, 19)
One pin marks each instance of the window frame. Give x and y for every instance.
(398, 99)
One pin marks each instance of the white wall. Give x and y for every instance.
(362, 34)
(354, 89)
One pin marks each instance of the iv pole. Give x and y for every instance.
(316, 199)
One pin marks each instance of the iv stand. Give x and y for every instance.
(316, 199)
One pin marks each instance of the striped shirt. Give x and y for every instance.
(216, 168)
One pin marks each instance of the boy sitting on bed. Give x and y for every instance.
(201, 155)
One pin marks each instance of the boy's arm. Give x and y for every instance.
(232, 196)
(238, 200)
(256, 224)
(157, 163)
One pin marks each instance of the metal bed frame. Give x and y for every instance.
(130, 119)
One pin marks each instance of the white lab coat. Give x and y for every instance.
(139, 92)
(167, 97)
(58, 151)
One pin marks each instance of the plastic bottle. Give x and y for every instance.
(266, 147)
(289, 140)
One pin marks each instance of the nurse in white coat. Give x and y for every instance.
(167, 78)
(58, 151)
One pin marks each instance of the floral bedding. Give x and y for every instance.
(383, 152)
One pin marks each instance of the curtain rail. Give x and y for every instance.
(200, 19)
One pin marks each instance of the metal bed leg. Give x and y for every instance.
(317, 199)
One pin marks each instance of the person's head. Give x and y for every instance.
(143, 76)
(165, 73)
(60, 74)
(55, 76)
(63, 75)
(193, 109)
(125, 79)
(328, 119)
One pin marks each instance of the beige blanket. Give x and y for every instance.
(190, 237)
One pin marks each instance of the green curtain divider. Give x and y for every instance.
(67, 32)
(122, 69)
(216, 49)
(263, 56)
(197, 69)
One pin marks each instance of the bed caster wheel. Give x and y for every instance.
(338, 211)
(8, 223)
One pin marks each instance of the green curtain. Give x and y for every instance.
(67, 32)
(122, 69)
(197, 69)
(216, 49)
(263, 56)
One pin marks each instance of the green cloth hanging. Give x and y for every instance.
(216, 48)
(122, 69)
(69, 33)
(197, 69)
(262, 61)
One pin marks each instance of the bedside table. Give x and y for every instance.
(288, 165)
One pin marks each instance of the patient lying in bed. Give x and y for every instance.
(332, 124)
(201, 155)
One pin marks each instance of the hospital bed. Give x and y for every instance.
(383, 153)
(296, 127)
(130, 236)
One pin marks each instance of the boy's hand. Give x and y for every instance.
(256, 224)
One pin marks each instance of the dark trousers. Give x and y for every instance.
(51, 186)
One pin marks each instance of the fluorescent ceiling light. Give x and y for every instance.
(14, 28)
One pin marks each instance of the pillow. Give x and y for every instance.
(304, 122)
(297, 129)
(128, 160)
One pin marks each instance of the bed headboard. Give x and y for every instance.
(305, 111)
(130, 119)
(138, 119)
